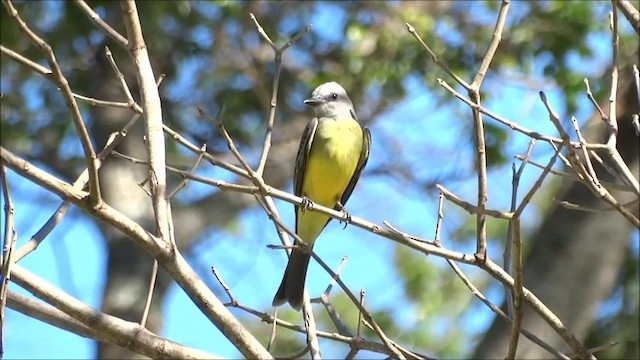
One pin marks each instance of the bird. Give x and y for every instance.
(333, 151)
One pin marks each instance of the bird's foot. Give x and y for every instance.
(347, 216)
(306, 204)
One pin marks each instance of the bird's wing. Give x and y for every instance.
(303, 155)
(364, 156)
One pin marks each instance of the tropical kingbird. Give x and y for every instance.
(332, 153)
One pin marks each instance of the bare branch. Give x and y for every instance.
(26, 62)
(515, 182)
(540, 308)
(471, 209)
(102, 25)
(50, 315)
(278, 51)
(8, 242)
(435, 57)
(518, 293)
(630, 12)
(114, 140)
(172, 261)
(512, 125)
(123, 82)
(536, 186)
(59, 79)
(579, 168)
(153, 120)
(310, 328)
(114, 330)
(152, 285)
(493, 46)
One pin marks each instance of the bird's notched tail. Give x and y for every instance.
(292, 286)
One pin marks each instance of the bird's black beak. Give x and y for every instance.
(313, 102)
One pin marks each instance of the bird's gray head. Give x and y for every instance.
(331, 100)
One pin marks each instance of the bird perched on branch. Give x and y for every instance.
(332, 153)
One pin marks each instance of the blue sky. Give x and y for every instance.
(73, 256)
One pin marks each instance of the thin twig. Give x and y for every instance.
(331, 311)
(210, 158)
(470, 208)
(102, 25)
(478, 130)
(506, 257)
(332, 282)
(58, 78)
(96, 102)
(185, 181)
(493, 46)
(24, 61)
(574, 177)
(436, 239)
(592, 99)
(232, 299)
(352, 353)
(404, 235)
(579, 168)
(534, 189)
(435, 57)
(612, 120)
(8, 243)
(360, 313)
(231, 146)
(274, 327)
(123, 82)
(572, 206)
(152, 285)
(585, 153)
(301, 353)
(511, 124)
(518, 293)
(278, 52)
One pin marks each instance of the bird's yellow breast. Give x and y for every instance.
(331, 164)
(332, 160)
